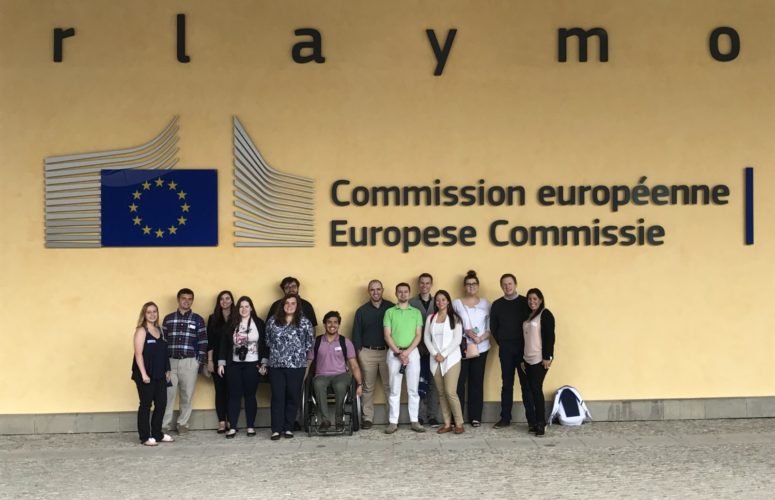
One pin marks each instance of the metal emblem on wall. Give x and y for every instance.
(72, 187)
(130, 197)
(273, 208)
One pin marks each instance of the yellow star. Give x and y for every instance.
(133, 207)
(185, 207)
(172, 230)
(146, 230)
(159, 233)
(159, 182)
(137, 221)
(181, 221)
(181, 195)
(173, 186)
(136, 195)
(146, 186)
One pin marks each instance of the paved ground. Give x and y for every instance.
(678, 459)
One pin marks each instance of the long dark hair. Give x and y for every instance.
(451, 314)
(537, 293)
(279, 314)
(235, 318)
(218, 312)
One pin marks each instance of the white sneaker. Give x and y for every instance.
(150, 442)
(167, 439)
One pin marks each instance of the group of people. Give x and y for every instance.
(428, 338)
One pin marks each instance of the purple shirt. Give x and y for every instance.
(330, 358)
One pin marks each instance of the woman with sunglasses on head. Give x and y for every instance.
(443, 333)
(150, 372)
(219, 326)
(474, 312)
(243, 357)
(539, 353)
(290, 337)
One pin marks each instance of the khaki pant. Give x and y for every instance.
(372, 362)
(448, 398)
(184, 372)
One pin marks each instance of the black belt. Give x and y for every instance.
(382, 348)
(180, 356)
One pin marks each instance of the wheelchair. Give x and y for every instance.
(312, 420)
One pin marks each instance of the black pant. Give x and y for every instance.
(535, 379)
(472, 370)
(286, 390)
(221, 385)
(149, 426)
(510, 361)
(243, 382)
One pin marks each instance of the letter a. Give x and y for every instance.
(315, 45)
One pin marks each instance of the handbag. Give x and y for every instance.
(468, 350)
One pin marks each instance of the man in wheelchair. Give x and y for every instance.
(335, 365)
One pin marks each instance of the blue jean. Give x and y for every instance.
(510, 360)
(286, 389)
(243, 382)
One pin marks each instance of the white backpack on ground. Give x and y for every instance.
(569, 408)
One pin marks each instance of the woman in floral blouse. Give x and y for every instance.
(290, 337)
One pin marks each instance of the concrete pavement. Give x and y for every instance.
(669, 459)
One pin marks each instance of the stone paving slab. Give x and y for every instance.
(677, 459)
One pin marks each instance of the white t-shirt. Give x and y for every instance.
(476, 318)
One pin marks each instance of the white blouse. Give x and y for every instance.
(441, 339)
(476, 318)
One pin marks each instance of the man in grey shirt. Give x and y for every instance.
(429, 410)
(369, 341)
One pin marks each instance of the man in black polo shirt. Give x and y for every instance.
(506, 317)
(369, 341)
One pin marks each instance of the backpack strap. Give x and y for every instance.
(343, 344)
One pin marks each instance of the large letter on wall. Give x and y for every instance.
(59, 35)
(182, 57)
(562, 43)
(441, 54)
(734, 44)
(315, 45)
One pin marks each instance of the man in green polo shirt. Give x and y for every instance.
(403, 332)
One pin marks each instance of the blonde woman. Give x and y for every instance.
(151, 372)
(443, 333)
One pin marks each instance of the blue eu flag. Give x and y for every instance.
(151, 208)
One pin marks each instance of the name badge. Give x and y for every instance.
(338, 348)
(151, 341)
(191, 326)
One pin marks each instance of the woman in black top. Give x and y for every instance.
(538, 331)
(151, 372)
(218, 325)
(242, 358)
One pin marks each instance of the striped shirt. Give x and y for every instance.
(186, 336)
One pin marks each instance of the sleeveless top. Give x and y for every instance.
(154, 356)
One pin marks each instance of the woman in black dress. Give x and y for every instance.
(217, 327)
(151, 372)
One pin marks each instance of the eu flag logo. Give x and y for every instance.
(150, 208)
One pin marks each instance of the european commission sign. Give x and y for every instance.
(136, 197)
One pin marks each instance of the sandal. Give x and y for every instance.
(167, 439)
(231, 433)
(251, 432)
(150, 442)
(221, 427)
(475, 423)
(275, 436)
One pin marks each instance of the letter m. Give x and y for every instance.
(562, 42)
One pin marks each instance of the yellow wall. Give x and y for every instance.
(690, 318)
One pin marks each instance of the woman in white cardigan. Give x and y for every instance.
(443, 333)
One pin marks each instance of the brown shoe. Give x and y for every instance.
(366, 425)
(444, 429)
(459, 429)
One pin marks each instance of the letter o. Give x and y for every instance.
(734, 41)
